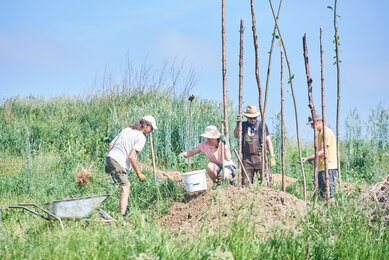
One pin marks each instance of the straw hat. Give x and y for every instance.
(151, 120)
(211, 132)
(310, 119)
(251, 111)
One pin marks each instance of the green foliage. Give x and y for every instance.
(50, 141)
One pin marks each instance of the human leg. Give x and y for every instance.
(212, 170)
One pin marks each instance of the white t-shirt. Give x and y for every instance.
(123, 144)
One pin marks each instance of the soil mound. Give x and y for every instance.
(379, 193)
(213, 209)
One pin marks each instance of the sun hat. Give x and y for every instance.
(151, 120)
(310, 119)
(251, 111)
(211, 132)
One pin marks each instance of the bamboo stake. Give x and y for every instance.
(313, 114)
(153, 158)
(240, 93)
(338, 94)
(294, 100)
(282, 126)
(324, 120)
(224, 72)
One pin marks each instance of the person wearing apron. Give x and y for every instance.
(252, 145)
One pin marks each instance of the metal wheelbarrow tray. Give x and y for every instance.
(74, 208)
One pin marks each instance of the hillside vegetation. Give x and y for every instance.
(46, 144)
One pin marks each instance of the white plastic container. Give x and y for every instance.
(195, 181)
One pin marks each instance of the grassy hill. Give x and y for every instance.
(46, 143)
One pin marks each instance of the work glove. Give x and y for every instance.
(272, 161)
(180, 157)
(223, 139)
(141, 176)
(239, 119)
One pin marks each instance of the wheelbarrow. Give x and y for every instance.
(74, 208)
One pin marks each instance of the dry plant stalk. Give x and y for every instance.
(313, 114)
(324, 119)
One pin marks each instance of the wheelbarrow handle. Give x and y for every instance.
(34, 205)
(30, 210)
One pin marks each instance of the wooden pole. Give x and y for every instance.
(313, 114)
(338, 94)
(256, 58)
(222, 146)
(282, 126)
(240, 94)
(291, 76)
(264, 160)
(224, 71)
(241, 164)
(324, 120)
(153, 158)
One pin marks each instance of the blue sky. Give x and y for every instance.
(50, 48)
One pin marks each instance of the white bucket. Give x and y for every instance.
(195, 181)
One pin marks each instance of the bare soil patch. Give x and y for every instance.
(216, 209)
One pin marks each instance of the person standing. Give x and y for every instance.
(332, 161)
(122, 156)
(212, 148)
(252, 145)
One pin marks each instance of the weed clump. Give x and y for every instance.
(83, 177)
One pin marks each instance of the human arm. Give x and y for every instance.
(227, 152)
(269, 145)
(312, 157)
(236, 131)
(134, 164)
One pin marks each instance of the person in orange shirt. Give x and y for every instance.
(332, 162)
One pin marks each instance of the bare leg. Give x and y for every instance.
(124, 194)
(212, 170)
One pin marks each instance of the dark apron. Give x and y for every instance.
(252, 153)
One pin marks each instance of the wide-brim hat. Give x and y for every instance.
(151, 120)
(211, 132)
(251, 111)
(310, 119)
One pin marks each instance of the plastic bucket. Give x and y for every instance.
(195, 181)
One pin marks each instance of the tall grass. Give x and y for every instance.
(47, 141)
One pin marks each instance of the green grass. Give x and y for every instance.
(47, 141)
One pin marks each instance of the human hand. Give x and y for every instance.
(180, 157)
(239, 118)
(141, 176)
(223, 139)
(272, 161)
(304, 160)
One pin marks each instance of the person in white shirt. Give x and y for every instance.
(122, 154)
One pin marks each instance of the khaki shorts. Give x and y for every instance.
(118, 173)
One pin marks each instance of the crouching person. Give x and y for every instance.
(212, 148)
